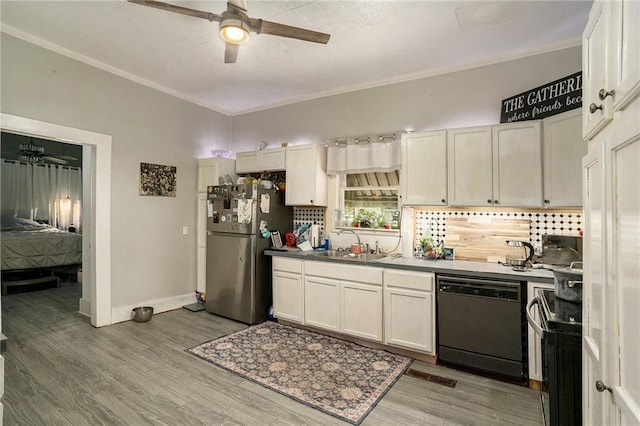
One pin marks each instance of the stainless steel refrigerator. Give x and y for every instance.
(238, 273)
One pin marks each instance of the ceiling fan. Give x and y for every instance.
(35, 154)
(235, 25)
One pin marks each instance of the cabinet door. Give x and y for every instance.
(563, 149)
(306, 176)
(272, 159)
(288, 296)
(594, 291)
(517, 165)
(247, 162)
(625, 79)
(409, 320)
(622, 281)
(594, 71)
(470, 166)
(201, 241)
(361, 310)
(210, 170)
(321, 305)
(534, 340)
(424, 168)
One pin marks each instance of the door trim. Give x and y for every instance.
(96, 238)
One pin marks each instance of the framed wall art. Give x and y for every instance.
(158, 180)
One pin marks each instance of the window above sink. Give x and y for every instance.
(368, 201)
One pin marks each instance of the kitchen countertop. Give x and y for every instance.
(452, 267)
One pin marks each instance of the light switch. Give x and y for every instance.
(185, 230)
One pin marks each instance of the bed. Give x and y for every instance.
(31, 251)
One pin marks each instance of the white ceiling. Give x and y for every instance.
(372, 43)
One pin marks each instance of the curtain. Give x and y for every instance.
(41, 192)
(374, 155)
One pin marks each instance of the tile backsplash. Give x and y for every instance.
(308, 216)
(553, 222)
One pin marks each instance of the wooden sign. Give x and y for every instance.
(550, 99)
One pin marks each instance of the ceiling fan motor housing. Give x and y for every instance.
(234, 28)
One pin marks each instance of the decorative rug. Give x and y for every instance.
(340, 378)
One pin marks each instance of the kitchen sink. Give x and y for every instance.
(346, 255)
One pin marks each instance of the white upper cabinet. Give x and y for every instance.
(210, 170)
(625, 80)
(260, 161)
(562, 150)
(423, 179)
(496, 165)
(306, 175)
(594, 56)
(517, 164)
(470, 166)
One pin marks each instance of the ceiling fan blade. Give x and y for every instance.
(231, 53)
(55, 159)
(273, 28)
(234, 5)
(178, 9)
(66, 157)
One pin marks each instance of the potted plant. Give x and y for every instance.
(365, 219)
(383, 223)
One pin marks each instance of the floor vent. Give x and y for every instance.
(431, 378)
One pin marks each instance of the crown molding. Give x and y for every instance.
(7, 29)
(577, 41)
(566, 44)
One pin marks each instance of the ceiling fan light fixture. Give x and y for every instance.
(234, 31)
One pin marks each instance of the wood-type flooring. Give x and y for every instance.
(59, 370)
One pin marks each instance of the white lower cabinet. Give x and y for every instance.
(288, 289)
(321, 303)
(344, 298)
(534, 341)
(390, 306)
(409, 310)
(362, 310)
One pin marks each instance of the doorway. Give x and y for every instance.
(96, 178)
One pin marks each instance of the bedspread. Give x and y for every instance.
(40, 249)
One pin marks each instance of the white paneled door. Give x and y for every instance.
(623, 182)
(594, 289)
(611, 347)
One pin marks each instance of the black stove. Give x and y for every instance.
(559, 314)
(561, 323)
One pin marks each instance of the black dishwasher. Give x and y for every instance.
(480, 325)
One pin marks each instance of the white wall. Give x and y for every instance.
(465, 98)
(151, 259)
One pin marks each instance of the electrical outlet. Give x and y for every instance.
(185, 230)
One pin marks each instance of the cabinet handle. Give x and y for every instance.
(489, 201)
(601, 387)
(495, 202)
(602, 94)
(593, 108)
(363, 140)
(310, 201)
(547, 201)
(443, 200)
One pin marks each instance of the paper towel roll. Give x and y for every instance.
(315, 236)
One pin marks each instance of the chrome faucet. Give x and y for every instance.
(353, 232)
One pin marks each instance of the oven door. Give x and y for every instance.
(541, 330)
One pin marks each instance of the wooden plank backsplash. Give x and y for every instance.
(484, 239)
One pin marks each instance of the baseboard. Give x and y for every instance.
(124, 313)
(85, 308)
